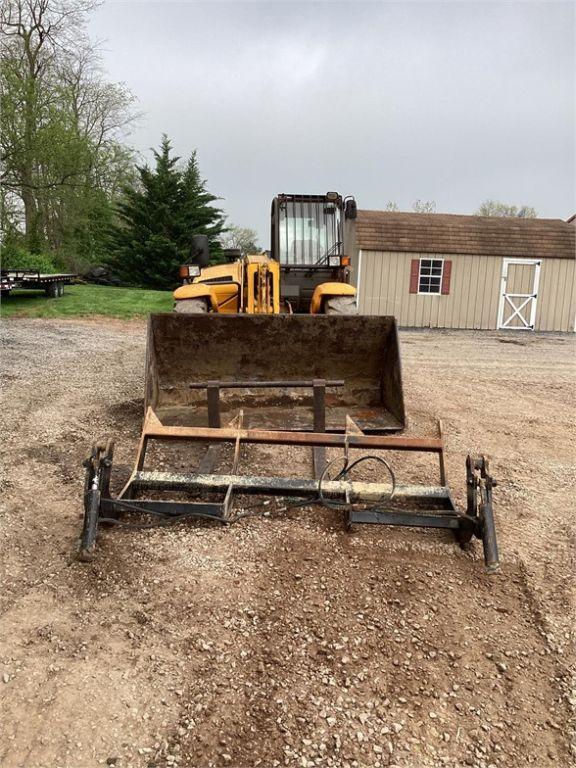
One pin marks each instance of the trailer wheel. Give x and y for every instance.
(191, 306)
(341, 305)
(54, 290)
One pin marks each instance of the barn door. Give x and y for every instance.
(518, 294)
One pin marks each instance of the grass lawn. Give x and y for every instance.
(86, 300)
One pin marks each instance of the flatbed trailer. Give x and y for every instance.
(51, 283)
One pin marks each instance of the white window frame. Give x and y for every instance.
(430, 293)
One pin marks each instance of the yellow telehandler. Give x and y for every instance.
(306, 271)
(269, 351)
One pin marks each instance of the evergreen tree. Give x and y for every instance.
(157, 218)
(200, 216)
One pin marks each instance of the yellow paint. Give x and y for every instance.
(251, 285)
(262, 296)
(329, 291)
(196, 291)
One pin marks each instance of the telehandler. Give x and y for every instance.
(306, 271)
(253, 356)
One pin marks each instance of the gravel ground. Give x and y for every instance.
(285, 640)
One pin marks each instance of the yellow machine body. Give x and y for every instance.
(329, 291)
(251, 284)
(262, 286)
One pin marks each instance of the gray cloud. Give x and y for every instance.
(454, 102)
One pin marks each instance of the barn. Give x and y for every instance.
(451, 271)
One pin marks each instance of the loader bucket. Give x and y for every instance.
(277, 358)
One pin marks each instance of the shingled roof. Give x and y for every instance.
(475, 235)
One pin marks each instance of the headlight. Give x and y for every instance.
(187, 271)
(334, 261)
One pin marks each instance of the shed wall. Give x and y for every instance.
(474, 292)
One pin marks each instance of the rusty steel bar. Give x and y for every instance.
(330, 440)
(319, 452)
(213, 406)
(255, 384)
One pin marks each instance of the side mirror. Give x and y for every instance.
(200, 251)
(350, 209)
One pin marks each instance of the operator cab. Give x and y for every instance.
(307, 240)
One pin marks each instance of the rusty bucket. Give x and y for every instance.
(267, 365)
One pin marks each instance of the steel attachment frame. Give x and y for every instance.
(415, 505)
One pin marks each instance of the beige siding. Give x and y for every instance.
(556, 309)
(474, 291)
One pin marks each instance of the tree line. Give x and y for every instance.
(63, 156)
(72, 192)
(487, 208)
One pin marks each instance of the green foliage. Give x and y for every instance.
(61, 143)
(86, 301)
(13, 257)
(496, 208)
(156, 219)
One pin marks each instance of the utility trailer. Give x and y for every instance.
(32, 279)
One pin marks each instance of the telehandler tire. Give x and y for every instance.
(341, 305)
(191, 306)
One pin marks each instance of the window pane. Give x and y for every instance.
(430, 275)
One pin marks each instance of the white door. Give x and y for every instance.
(519, 294)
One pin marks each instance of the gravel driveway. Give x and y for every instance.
(285, 640)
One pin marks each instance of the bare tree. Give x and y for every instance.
(495, 208)
(243, 238)
(419, 206)
(424, 206)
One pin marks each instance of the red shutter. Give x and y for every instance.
(446, 273)
(414, 275)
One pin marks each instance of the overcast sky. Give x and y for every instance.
(453, 102)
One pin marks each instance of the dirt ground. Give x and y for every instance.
(285, 640)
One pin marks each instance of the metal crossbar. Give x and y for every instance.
(361, 502)
(154, 429)
(355, 491)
